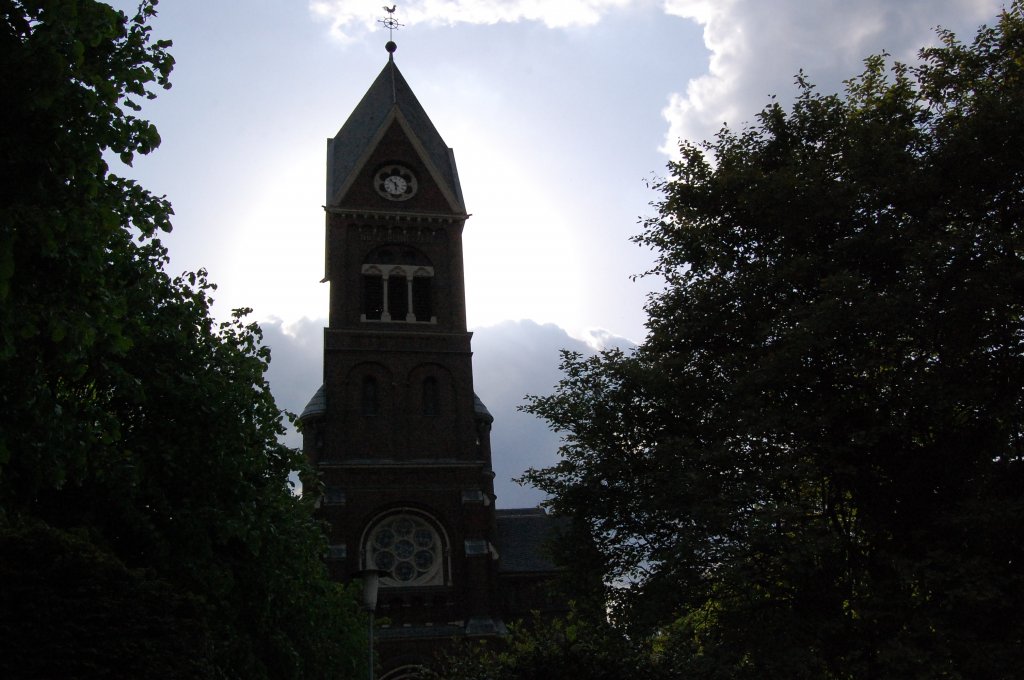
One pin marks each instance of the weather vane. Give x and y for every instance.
(391, 23)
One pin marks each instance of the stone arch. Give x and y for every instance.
(411, 547)
(431, 382)
(406, 672)
(368, 411)
(370, 389)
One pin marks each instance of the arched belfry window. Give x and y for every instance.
(370, 396)
(373, 293)
(431, 397)
(408, 547)
(398, 286)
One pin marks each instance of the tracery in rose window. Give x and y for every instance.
(408, 550)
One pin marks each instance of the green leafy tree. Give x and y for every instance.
(812, 467)
(73, 74)
(70, 610)
(129, 417)
(547, 649)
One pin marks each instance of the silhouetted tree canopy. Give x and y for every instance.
(138, 436)
(580, 646)
(813, 465)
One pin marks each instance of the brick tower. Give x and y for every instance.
(396, 433)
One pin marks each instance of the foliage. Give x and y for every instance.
(69, 71)
(576, 646)
(70, 610)
(812, 467)
(128, 415)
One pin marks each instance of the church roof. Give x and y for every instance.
(481, 410)
(317, 406)
(388, 98)
(524, 540)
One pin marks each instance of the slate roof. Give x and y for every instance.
(480, 410)
(317, 406)
(524, 536)
(388, 96)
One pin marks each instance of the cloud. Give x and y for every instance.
(598, 339)
(350, 18)
(296, 364)
(756, 48)
(510, 360)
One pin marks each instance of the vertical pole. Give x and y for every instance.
(370, 666)
(371, 579)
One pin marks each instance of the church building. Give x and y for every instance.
(399, 439)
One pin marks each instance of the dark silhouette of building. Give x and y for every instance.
(398, 437)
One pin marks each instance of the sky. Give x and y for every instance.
(560, 114)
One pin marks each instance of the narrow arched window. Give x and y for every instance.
(430, 397)
(422, 304)
(373, 295)
(397, 287)
(371, 396)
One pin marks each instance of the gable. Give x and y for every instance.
(395, 148)
(388, 111)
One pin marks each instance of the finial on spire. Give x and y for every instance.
(392, 25)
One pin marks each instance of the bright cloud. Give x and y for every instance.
(350, 18)
(756, 48)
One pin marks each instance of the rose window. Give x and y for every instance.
(408, 550)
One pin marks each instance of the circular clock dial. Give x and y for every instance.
(395, 183)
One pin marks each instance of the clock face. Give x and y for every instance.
(395, 183)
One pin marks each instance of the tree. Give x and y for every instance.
(812, 467)
(68, 609)
(70, 70)
(549, 648)
(129, 418)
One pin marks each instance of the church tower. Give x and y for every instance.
(396, 434)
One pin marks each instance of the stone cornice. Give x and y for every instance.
(390, 216)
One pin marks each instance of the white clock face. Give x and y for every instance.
(395, 183)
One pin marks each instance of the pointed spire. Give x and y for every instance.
(389, 101)
(389, 98)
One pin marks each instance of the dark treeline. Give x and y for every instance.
(147, 527)
(813, 467)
